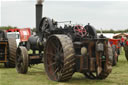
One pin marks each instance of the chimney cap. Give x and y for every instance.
(40, 1)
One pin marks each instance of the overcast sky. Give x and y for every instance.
(100, 14)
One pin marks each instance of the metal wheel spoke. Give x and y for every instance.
(20, 59)
(90, 75)
(57, 48)
(53, 45)
(22, 66)
(50, 54)
(18, 55)
(56, 43)
(52, 64)
(61, 50)
(61, 55)
(57, 69)
(18, 64)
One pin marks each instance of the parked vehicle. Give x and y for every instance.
(21, 35)
(115, 44)
(7, 50)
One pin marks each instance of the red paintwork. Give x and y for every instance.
(13, 30)
(122, 39)
(120, 35)
(115, 42)
(127, 43)
(80, 30)
(25, 33)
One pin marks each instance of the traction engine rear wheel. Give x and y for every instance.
(22, 60)
(105, 72)
(59, 58)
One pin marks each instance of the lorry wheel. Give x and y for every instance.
(59, 58)
(22, 60)
(12, 53)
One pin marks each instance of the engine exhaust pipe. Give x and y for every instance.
(39, 10)
(40, 1)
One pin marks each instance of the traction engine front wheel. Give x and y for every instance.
(22, 60)
(105, 70)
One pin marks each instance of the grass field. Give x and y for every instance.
(37, 76)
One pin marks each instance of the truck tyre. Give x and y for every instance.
(12, 53)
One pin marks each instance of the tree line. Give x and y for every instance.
(113, 31)
(98, 31)
(7, 27)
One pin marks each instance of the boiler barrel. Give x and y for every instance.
(34, 42)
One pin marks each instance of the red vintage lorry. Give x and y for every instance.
(21, 35)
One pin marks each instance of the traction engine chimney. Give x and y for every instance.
(39, 7)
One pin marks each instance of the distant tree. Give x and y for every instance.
(113, 31)
(33, 30)
(7, 27)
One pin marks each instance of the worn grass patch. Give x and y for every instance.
(37, 76)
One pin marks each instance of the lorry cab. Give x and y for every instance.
(15, 35)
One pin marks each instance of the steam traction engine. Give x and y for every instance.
(66, 50)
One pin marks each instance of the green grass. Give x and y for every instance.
(37, 76)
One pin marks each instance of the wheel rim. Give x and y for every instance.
(54, 59)
(22, 60)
